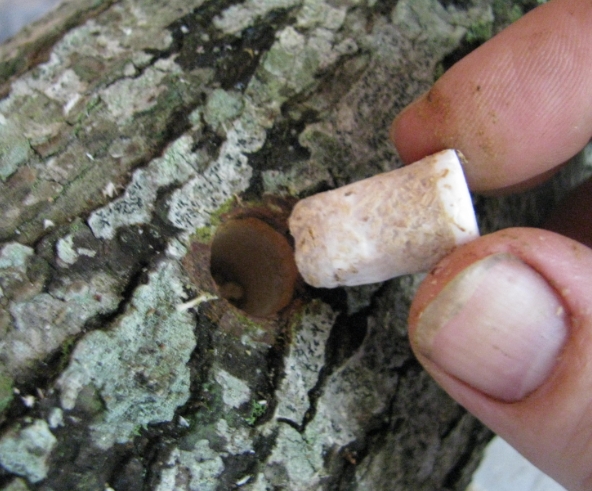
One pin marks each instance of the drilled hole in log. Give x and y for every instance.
(253, 266)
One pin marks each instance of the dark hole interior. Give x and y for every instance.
(253, 266)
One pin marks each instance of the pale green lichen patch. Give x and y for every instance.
(301, 53)
(222, 107)
(14, 147)
(202, 453)
(292, 460)
(191, 206)
(139, 367)
(306, 357)
(25, 451)
(129, 96)
(290, 62)
(318, 13)
(34, 324)
(291, 65)
(22, 276)
(55, 418)
(236, 440)
(98, 86)
(296, 180)
(235, 392)
(338, 415)
(136, 205)
(198, 468)
(43, 322)
(339, 419)
(428, 21)
(238, 17)
(14, 256)
(65, 250)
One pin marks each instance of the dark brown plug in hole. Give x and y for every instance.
(253, 266)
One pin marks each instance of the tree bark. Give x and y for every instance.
(128, 132)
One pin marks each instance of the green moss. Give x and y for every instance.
(257, 410)
(137, 431)
(506, 11)
(439, 71)
(205, 234)
(6, 393)
(67, 347)
(92, 106)
(10, 67)
(480, 31)
(249, 326)
(515, 13)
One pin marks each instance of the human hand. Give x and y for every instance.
(504, 323)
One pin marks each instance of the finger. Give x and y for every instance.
(504, 324)
(517, 106)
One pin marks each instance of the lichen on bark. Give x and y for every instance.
(128, 130)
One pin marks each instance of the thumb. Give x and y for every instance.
(504, 324)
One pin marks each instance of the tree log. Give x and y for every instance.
(129, 131)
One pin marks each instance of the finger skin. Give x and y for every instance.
(517, 106)
(552, 426)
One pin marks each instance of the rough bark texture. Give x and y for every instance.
(127, 130)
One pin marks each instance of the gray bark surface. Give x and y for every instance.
(128, 131)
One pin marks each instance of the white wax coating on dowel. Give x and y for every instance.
(396, 223)
(455, 196)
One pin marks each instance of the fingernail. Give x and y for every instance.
(498, 326)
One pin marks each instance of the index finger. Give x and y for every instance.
(517, 107)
